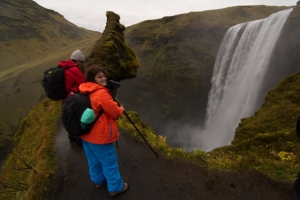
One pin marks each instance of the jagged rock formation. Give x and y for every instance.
(111, 52)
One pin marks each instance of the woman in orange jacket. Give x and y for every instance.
(98, 144)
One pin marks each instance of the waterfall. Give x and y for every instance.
(238, 74)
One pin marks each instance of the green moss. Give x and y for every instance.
(27, 169)
(267, 142)
(111, 52)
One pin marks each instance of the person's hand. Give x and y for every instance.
(122, 108)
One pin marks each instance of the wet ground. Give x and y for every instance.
(155, 178)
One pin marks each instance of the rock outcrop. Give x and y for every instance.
(111, 52)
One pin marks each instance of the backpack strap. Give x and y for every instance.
(66, 68)
(100, 112)
(99, 115)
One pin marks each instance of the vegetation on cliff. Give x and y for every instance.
(31, 163)
(32, 39)
(265, 143)
(176, 56)
(29, 31)
(111, 52)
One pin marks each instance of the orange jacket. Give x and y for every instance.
(105, 130)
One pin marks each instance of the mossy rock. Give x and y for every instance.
(111, 52)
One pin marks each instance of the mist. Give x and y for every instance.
(238, 84)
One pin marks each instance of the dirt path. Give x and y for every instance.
(155, 179)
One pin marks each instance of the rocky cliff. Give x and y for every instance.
(176, 56)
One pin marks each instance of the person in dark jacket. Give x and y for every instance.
(98, 143)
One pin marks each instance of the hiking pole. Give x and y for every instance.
(113, 86)
(140, 133)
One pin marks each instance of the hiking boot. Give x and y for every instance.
(97, 185)
(125, 188)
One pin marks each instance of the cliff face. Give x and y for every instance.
(286, 53)
(111, 52)
(176, 56)
(280, 110)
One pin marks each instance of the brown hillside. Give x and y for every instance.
(29, 31)
(32, 39)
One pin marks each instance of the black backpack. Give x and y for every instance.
(72, 110)
(54, 83)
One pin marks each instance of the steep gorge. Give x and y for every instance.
(177, 87)
(176, 65)
(176, 57)
(238, 81)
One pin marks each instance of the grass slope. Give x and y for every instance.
(32, 39)
(31, 163)
(29, 32)
(265, 143)
(21, 88)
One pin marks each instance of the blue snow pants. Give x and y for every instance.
(103, 165)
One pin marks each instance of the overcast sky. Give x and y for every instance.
(91, 14)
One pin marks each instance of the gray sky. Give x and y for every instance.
(91, 14)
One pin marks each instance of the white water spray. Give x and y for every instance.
(239, 70)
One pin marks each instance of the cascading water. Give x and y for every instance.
(239, 71)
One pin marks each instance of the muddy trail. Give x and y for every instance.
(155, 178)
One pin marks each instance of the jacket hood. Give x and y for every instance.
(67, 63)
(89, 87)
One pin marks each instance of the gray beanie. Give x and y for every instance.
(77, 55)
